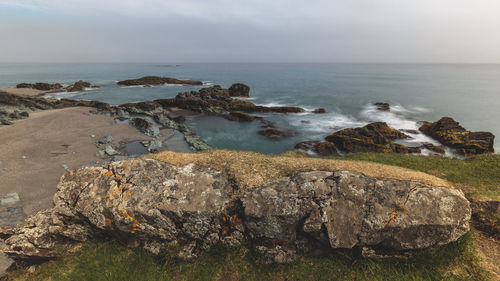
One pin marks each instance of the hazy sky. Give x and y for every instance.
(250, 31)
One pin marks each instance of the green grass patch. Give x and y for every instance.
(113, 261)
(481, 172)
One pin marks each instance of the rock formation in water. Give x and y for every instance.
(449, 132)
(40, 86)
(76, 87)
(239, 90)
(374, 137)
(216, 99)
(157, 206)
(156, 80)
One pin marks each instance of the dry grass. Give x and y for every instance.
(251, 169)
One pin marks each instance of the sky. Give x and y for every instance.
(381, 31)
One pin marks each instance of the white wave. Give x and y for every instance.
(324, 123)
(243, 98)
(271, 104)
(395, 118)
(134, 86)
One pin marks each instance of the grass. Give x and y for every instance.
(113, 261)
(456, 261)
(481, 172)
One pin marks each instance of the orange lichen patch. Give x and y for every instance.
(108, 222)
(235, 220)
(135, 221)
(393, 218)
(107, 174)
(251, 169)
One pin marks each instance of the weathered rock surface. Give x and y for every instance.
(158, 207)
(449, 132)
(374, 137)
(239, 90)
(156, 80)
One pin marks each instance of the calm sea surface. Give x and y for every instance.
(468, 93)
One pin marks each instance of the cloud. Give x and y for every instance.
(250, 30)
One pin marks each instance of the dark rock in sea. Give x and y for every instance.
(382, 106)
(319, 147)
(78, 86)
(265, 124)
(216, 99)
(239, 90)
(156, 80)
(152, 205)
(238, 116)
(275, 134)
(40, 86)
(449, 132)
(374, 137)
(319, 110)
(439, 149)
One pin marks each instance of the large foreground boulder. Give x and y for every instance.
(157, 206)
(449, 132)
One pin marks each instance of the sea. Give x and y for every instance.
(469, 93)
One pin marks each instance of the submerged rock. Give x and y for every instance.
(382, 106)
(449, 132)
(153, 205)
(275, 134)
(156, 80)
(239, 90)
(319, 110)
(239, 116)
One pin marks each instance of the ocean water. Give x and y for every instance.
(468, 93)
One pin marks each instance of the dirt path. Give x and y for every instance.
(490, 251)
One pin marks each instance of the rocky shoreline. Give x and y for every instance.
(374, 137)
(308, 211)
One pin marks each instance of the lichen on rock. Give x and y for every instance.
(157, 206)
